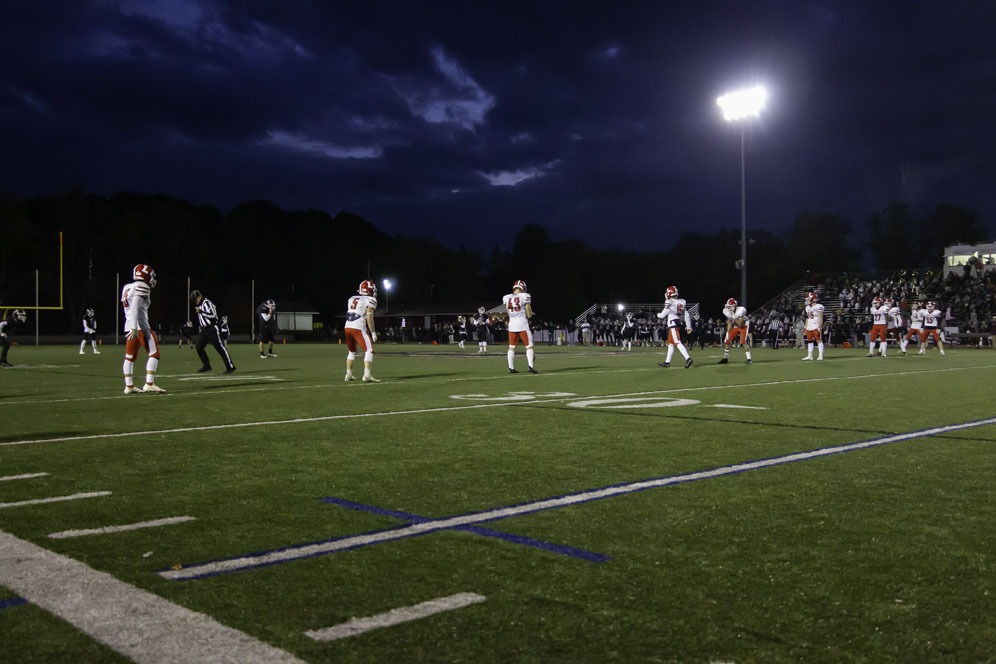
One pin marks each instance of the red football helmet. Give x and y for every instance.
(931, 305)
(672, 291)
(731, 303)
(890, 303)
(877, 302)
(521, 285)
(143, 272)
(812, 297)
(367, 288)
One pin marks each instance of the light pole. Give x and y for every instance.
(738, 107)
(388, 285)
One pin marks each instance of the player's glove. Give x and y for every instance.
(661, 315)
(373, 335)
(132, 334)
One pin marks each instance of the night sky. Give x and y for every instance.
(462, 121)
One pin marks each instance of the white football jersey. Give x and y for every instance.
(739, 313)
(515, 304)
(814, 316)
(675, 312)
(916, 319)
(931, 318)
(895, 317)
(356, 311)
(135, 299)
(879, 314)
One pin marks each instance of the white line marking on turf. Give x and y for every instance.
(270, 378)
(56, 499)
(351, 542)
(131, 621)
(395, 616)
(731, 405)
(27, 476)
(118, 529)
(328, 418)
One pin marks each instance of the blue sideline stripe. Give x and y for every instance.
(562, 549)
(350, 542)
(12, 602)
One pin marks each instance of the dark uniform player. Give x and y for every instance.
(207, 318)
(461, 330)
(89, 331)
(8, 326)
(482, 325)
(224, 331)
(186, 331)
(628, 332)
(266, 319)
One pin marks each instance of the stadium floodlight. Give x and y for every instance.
(388, 285)
(620, 307)
(739, 107)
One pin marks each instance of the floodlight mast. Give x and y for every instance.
(739, 107)
(388, 285)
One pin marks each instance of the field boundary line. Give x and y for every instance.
(395, 616)
(144, 627)
(334, 545)
(155, 523)
(442, 409)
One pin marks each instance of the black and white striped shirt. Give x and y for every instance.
(207, 315)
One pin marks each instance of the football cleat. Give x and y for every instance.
(808, 358)
(271, 355)
(230, 371)
(204, 369)
(370, 379)
(513, 371)
(152, 387)
(143, 272)
(533, 371)
(521, 285)
(664, 364)
(350, 377)
(688, 363)
(672, 291)
(96, 352)
(131, 389)
(367, 288)
(724, 361)
(750, 361)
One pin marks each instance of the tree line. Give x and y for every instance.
(312, 256)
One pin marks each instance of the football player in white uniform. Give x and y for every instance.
(894, 324)
(880, 314)
(135, 299)
(674, 312)
(737, 325)
(931, 325)
(916, 325)
(519, 305)
(360, 329)
(814, 326)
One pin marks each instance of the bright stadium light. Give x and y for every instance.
(620, 307)
(739, 107)
(388, 285)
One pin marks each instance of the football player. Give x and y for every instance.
(135, 299)
(674, 312)
(628, 331)
(814, 326)
(931, 324)
(894, 325)
(360, 331)
(8, 325)
(879, 313)
(483, 325)
(89, 331)
(916, 325)
(266, 319)
(737, 325)
(461, 330)
(519, 306)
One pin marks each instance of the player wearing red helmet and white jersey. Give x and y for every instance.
(814, 326)
(360, 331)
(519, 306)
(737, 325)
(931, 325)
(675, 311)
(916, 324)
(895, 325)
(880, 315)
(135, 299)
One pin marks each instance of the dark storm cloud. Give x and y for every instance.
(465, 120)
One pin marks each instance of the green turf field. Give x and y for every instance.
(311, 502)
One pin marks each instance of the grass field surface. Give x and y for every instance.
(605, 510)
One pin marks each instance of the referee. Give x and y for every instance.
(207, 319)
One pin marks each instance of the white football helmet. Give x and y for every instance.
(521, 285)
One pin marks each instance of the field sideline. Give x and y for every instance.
(603, 510)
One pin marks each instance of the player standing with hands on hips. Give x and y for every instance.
(360, 329)
(135, 299)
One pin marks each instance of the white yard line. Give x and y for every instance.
(119, 529)
(328, 418)
(56, 499)
(395, 616)
(135, 623)
(26, 476)
(287, 554)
